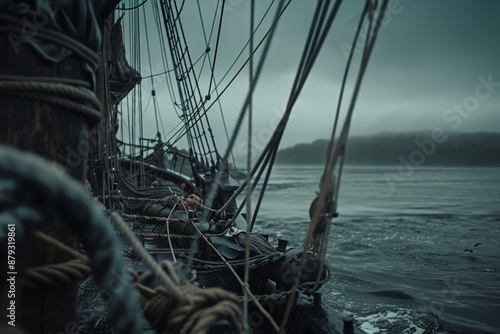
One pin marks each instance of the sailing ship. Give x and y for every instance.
(181, 238)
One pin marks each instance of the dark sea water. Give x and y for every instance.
(420, 255)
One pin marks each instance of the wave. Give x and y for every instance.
(400, 320)
(395, 294)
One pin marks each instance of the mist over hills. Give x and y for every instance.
(481, 149)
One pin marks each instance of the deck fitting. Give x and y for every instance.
(348, 325)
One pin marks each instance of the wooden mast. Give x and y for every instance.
(60, 135)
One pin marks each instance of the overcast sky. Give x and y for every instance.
(428, 59)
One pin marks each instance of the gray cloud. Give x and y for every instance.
(428, 57)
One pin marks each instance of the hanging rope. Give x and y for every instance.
(248, 178)
(133, 7)
(216, 45)
(326, 201)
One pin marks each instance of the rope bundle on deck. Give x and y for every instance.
(173, 306)
(196, 313)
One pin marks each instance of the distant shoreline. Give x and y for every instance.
(418, 149)
(389, 166)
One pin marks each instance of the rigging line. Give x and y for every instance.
(213, 77)
(248, 42)
(168, 82)
(217, 44)
(234, 77)
(223, 121)
(199, 115)
(213, 23)
(179, 11)
(312, 57)
(343, 138)
(271, 158)
(346, 72)
(157, 74)
(133, 97)
(246, 288)
(303, 75)
(132, 8)
(168, 79)
(342, 141)
(185, 103)
(153, 92)
(203, 24)
(207, 47)
(161, 40)
(314, 52)
(218, 175)
(248, 178)
(159, 116)
(201, 98)
(254, 185)
(170, 71)
(204, 114)
(199, 92)
(179, 87)
(274, 139)
(311, 44)
(214, 185)
(141, 117)
(184, 85)
(364, 62)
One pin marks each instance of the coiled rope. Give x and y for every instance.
(54, 275)
(33, 192)
(59, 94)
(173, 307)
(50, 35)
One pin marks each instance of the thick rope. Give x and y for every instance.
(52, 36)
(144, 255)
(67, 81)
(54, 275)
(161, 236)
(61, 95)
(154, 218)
(56, 243)
(196, 312)
(167, 225)
(51, 88)
(191, 201)
(33, 192)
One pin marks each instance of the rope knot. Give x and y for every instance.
(196, 311)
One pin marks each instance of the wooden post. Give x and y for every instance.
(59, 135)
